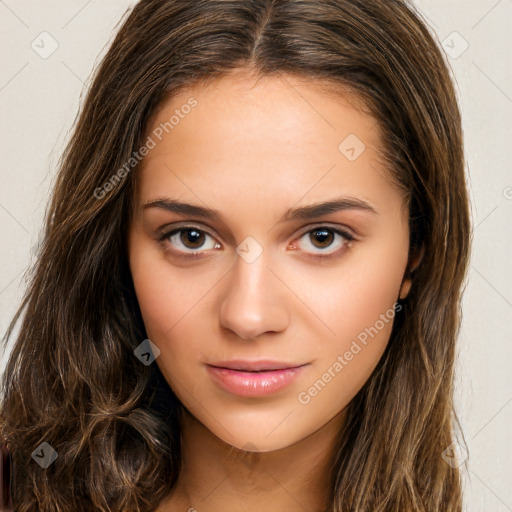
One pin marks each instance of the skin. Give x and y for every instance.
(252, 150)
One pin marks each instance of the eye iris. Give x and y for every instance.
(193, 238)
(189, 237)
(324, 236)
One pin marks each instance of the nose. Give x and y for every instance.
(255, 300)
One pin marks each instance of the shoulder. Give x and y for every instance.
(5, 479)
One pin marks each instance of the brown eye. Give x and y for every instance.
(319, 240)
(321, 237)
(189, 241)
(192, 238)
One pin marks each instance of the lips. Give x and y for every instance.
(254, 378)
(255, 366)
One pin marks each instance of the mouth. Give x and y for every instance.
(256, 366)
(256, 378)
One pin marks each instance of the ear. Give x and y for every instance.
(414, 260)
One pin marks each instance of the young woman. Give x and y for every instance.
(248, 292)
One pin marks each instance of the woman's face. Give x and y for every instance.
(269, 310)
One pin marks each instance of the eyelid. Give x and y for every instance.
(167, 231)
(325, 256)
(334, 227)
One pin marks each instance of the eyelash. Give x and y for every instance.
(348, 238)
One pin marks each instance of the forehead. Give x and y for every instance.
(244, 106)
(266, 134)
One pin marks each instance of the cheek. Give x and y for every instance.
(166, 295)
(351, 297)
(154, 298)
(166, 312)
(172, 301)
(357, 303)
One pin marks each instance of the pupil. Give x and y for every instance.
(191, 236)
(323, 236)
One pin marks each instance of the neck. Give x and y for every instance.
(217, 477)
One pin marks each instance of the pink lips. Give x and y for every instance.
(253, 378)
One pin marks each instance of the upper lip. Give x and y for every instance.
(254, 366)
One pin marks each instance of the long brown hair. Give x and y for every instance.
(72, 379)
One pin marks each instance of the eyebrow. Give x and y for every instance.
(300, 213)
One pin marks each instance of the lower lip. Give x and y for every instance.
(253, 384)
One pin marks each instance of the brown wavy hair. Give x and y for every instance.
(72, 379)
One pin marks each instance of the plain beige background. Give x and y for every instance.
(48, 50)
